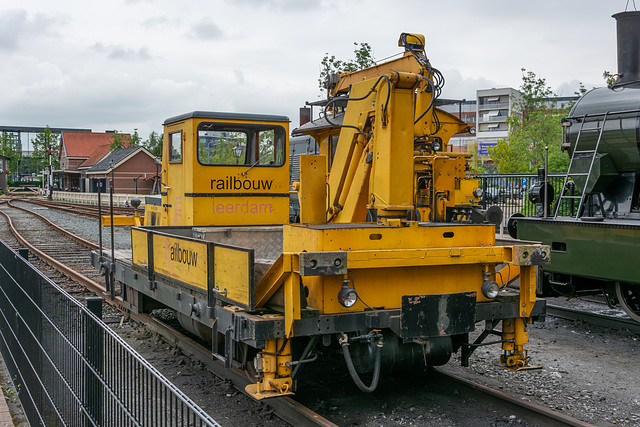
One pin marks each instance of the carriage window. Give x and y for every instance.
(222, 148)
(175, 156)
(231, 144)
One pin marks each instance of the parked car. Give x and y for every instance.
(494, 195)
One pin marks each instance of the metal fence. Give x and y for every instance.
(69, 368)
(510, 192)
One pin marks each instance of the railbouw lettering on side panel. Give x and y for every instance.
(181, 259)
(234, 183)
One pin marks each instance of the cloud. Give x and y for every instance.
(122, 53)
(17, 25)
(206, 29)
(290, 6)
(239, 76)
(156, 22)
(459, 87)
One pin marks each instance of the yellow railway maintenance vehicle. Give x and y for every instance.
(392, 264)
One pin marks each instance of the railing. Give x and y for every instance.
(484, 118)
(510, 192)
(119, 199)
(24, 190)
(493, 105)
(69, 368)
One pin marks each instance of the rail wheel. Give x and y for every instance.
(629, 297)
(247, 355)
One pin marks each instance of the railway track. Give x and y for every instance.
(63, 252)
(597, 319)
(85, 210)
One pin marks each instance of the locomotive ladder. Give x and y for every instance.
(577, 153)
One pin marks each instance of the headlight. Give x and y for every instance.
(478, 193)
(436, 145)
(490, 289)
(347, 296)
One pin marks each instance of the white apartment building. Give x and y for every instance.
(493, 108)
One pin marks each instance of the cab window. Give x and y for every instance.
(175, 147)
(233, 144)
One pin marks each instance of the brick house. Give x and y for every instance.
(133, 170)
(75, 149)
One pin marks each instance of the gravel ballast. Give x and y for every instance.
(586, 372)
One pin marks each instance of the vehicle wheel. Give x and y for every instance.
(629, 297)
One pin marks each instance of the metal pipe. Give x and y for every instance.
(546, 165)
(100, 219)
(113, 255)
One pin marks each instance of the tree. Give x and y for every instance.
(331, 65)
(122, 140)
(9, 148)
(43, 146)
(222, 152)
(154, 144)
(536, 126)
(135, 139)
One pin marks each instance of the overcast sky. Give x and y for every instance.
(125, 64)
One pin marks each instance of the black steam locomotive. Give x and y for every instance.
(593, 224)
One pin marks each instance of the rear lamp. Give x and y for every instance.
(490, 289)
(347, 295)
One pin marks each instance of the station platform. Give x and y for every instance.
(6, 418)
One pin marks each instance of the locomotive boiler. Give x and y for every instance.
(593, 227)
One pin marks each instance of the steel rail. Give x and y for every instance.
(594, 318)
(77, 239)
(535, 412)
(83, 280)
(285, 408)
(77, 208)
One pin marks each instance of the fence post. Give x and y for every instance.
(94, 357)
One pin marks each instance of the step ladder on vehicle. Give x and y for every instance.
(577, 153)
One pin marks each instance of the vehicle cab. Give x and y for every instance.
(223, 169)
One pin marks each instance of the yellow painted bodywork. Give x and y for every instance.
(122, 220)
(313, 189)
(388, 262)
(383, 197)
(379, 164)
(276, 380)
(198, 194)
(152, 214)
(181, 259)
(231, 274)
(139, 247)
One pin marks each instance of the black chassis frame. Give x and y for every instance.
(253, 329)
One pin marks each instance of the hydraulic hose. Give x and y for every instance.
(352, 370)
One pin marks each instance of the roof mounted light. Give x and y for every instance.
(412, 41)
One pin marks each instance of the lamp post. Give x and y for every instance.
(113, 179)
(237, 152)
(158, 161)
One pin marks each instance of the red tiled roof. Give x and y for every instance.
(83, 144)
(96, 156)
